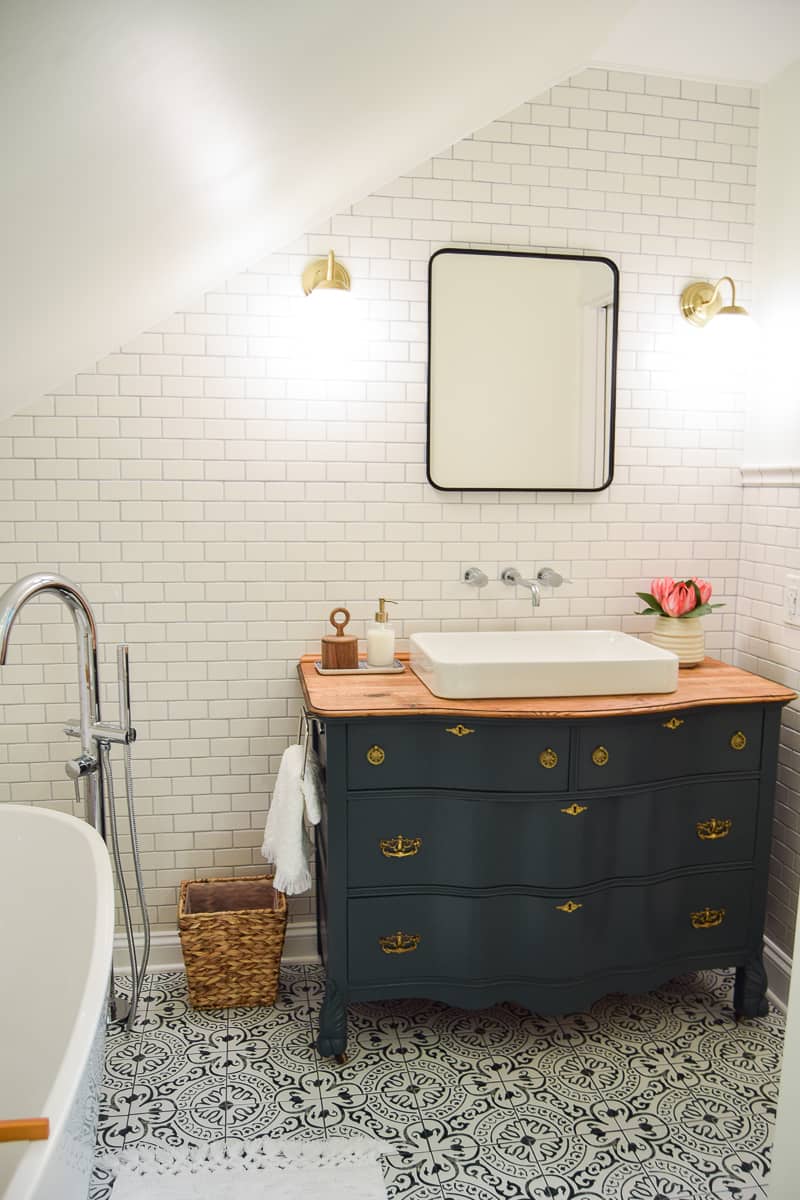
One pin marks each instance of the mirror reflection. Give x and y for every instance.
(521, 370)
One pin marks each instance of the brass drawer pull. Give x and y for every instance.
(599, 756)
(460, 730)
(548, 758)
(399, 943)
(400, 847)
(376, 755)
(575, 810)
(738, 740)
(569, 907)
(707, 918)
(709, 831)
(673, 723)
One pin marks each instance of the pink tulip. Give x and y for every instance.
(704, 588)
(680, 600)
(661, 588)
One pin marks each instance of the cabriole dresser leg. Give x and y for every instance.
(750, 988)
(332, 1040)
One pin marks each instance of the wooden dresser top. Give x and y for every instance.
(405, 695)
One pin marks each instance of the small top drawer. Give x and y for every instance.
(520, 756)
(668, 746)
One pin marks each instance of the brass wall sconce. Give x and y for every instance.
(701, 302)
(326, 273)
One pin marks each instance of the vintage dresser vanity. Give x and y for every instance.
(540, 851)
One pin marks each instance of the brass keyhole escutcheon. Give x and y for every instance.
(738, 740)
(575, 809)
(673, 723)
(460, 730)
(707, 918)
(548, 759)
(569, 907)
(710, 831)
(599, 756)
(376, 755)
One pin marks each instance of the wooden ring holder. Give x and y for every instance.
(339, 650)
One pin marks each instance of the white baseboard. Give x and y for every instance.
(779, 970)
(165, 948)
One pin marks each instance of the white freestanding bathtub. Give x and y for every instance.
(56, 934)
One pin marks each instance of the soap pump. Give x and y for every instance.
(380, 637)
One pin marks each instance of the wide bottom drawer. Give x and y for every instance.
(512, 936)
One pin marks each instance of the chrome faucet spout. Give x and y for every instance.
(12, 603)
(512, 578)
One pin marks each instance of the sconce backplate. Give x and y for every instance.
(315, 275)
(695, 303)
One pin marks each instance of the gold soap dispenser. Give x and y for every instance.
(380, 637)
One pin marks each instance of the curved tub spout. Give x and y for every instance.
(12, 602)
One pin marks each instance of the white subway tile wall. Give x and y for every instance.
(770, 548)
(223, 481)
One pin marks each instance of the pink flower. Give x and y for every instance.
(661, 588)
(679, 601)
(704, 588)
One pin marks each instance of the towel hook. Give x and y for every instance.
(304, 733)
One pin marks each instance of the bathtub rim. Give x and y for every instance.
(90, 1008)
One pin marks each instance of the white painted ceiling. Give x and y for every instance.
(738, 41)
(150, 148)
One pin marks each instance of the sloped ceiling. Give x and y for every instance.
(150, 148)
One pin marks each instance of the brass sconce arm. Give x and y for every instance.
(701, 302)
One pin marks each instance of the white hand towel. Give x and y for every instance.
(285, 841)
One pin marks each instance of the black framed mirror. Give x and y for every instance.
(521, 370)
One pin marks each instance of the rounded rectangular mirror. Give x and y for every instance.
(521, 370)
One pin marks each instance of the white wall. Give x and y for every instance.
(217, 488)
(771, 545)
(774, 419)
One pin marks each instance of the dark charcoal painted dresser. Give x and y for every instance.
(540, 851)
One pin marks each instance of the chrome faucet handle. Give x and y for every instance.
(76, 768)
(475, 577)
(551, 578)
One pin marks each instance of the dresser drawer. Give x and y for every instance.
(431, 937)
(471, 841)
(501, 757)
(669, 746)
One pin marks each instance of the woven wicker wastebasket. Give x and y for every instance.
(232, 933)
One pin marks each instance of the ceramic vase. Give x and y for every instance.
(684, 636)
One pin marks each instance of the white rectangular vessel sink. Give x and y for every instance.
(581, 662)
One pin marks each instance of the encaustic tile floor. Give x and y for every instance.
(649, 1097)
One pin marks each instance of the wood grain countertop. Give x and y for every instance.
(713, 682)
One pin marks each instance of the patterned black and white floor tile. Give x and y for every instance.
(641, 1098)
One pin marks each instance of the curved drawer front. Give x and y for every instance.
(669, 746)
(471, 938)
(503, 757)
(468, 841)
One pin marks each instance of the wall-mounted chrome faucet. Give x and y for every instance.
(545, 577)
(512, 578)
